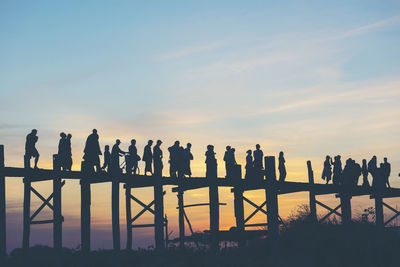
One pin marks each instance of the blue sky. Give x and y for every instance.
(310, 78)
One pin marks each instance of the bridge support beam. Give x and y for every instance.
(313, 203)
(379, 219)
(85, 215)
(181, 217)
(238, 204)
(272, 198)
(115, 215)
(3, 248)
(128, 216)
(345, 205)
(57, 215)
(26, 207)
(214, 208)
(159, 213)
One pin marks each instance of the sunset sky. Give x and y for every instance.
(310, 78)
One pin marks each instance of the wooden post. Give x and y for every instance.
(214, 208)
(166, 231)
(128, 217)
(115, 214)
(238, 204)
(345, 207)
(158, 213)
(313, 203)
(181, 219)
(3, 248)
(27, 206)
(272, 198)
(57, 217)
(85, 215)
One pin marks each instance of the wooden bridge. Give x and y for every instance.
(269, 207)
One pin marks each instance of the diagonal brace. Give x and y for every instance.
(142, 211)
(258, 208)
(331, 211)
(394, 216)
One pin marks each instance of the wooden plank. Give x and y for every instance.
(42, 222)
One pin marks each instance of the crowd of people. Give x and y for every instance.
(350, 174)
(180, 160)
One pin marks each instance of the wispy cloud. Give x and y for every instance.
(369, 27)
(187, 51)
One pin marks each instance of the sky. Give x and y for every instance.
(310, 78)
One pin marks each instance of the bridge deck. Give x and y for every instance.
(189, 183)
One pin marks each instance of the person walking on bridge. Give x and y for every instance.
(157, 159)
(188, 156)
(68, 153)
(116, 152)
(258, 155)
(148, 158)
(249, 165)
(30, 147)
(327, 171)
(386, 169)
(62, 150)
(174, 159)
(92, 151)
(364, 171)
(133, 159)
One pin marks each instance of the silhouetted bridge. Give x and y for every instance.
(269, 207)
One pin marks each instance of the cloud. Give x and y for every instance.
(188, 51)
(369, 27)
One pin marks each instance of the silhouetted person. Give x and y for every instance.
(281, 167)
(327, 171)
(373, 169)
(228, 161)
(157, 159)
(386, 169)
(68, 152)
(173, 159)
(92, 151)
(364, 171)
(249, 165)
(188, 156)
(348, 174)
(132, 163)
(337, 170)
(107, 158)
(62, 150)
(181, 162)
(116, 152)
(30, 147)
(356, 172)
(211, 162)
(258, 156)
(148, 157)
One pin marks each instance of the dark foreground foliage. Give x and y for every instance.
(301, 243)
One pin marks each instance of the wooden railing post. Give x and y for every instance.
(158, 213)
(313, 203)
(115, 214)
(27, 205)
(57, 217)
(3, 248)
